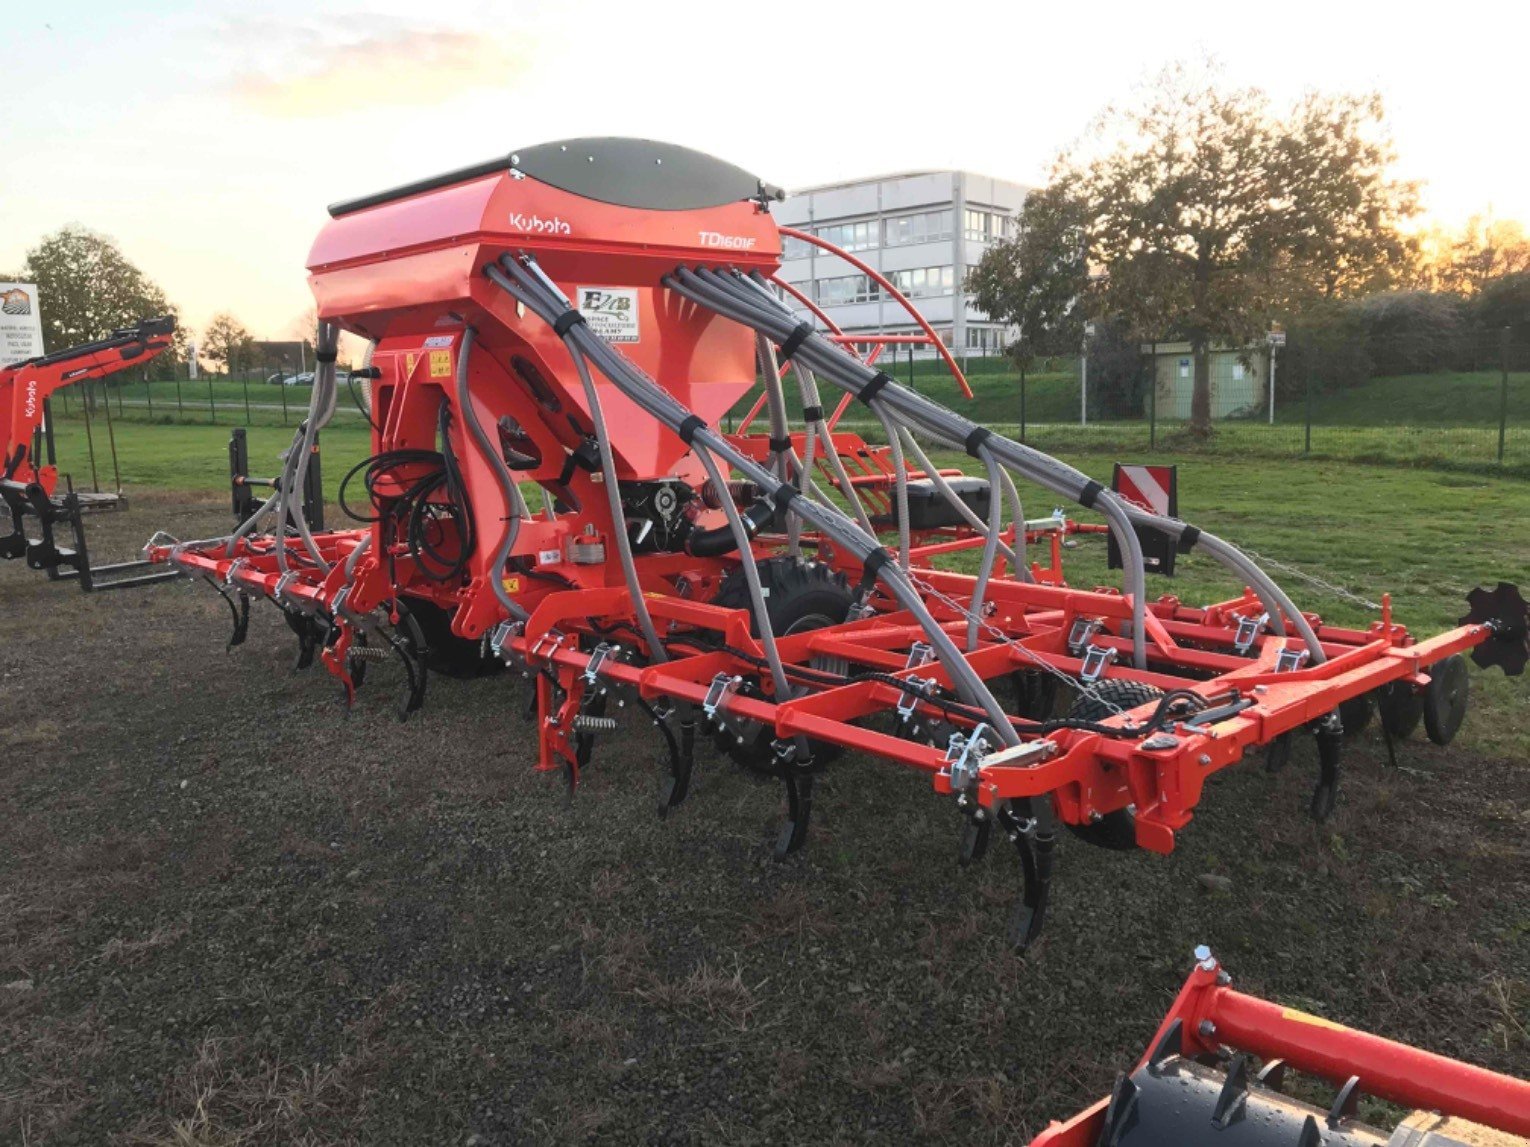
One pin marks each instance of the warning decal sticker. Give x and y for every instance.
(440, 364)
(612, 312)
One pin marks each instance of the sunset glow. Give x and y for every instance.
(207, 140)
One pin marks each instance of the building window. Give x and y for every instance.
(985, 226)
(986, 338)
(860, 236)
(921, 282)
(924, 227)
(843, 289)
(793, 248)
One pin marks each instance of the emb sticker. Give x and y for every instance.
(612, 312)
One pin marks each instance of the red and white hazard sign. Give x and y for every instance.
(1151, 487)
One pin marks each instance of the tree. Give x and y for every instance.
(1208, 215)
(1505, 302)
(1483, 250)
(226, 342)
(1036, 280)
(88, 289)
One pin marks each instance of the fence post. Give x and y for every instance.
(180, 408)
(1503, 393)
(212, 407)
(1022, 404)
(1153, 397)
(148, 393)
(246, 397)
(283, 387)
(1307, 446)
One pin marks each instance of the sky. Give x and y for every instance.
(206, 139)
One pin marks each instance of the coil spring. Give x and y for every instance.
(740, 493)
(369, 653)
(589, 723)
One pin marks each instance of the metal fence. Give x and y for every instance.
(244, 398)
(1472, 411)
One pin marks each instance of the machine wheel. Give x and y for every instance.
(1445, 699)
(1401, 706)
(1356, 714)
(1115, 830)
(446, 653)
(1035, 694)
(799, 596)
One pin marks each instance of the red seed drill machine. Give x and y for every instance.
(553, 337)
(569, 322)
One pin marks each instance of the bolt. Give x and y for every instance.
(1203, 760)
(1207, 1029)
(1204, 959)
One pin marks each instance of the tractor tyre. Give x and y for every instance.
(799, 596)
(1115, 830)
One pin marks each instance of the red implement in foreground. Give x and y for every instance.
(1217, 1070)
(554, 337)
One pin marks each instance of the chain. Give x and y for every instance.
(1316, 582)
(1004, 638)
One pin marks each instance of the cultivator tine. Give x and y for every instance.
(682, 760)
(799, 811)
(407, 640)
(238, 603)
(976, 832)
(310, 636)
(1277, 754)
(1036, 853)
(1330, 747)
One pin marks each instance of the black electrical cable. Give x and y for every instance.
(415, 509)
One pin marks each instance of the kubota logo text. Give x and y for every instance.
(31, 400)
(731, 242)
(536, 225)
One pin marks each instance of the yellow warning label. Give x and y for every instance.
(1305, 1018)
(512, 584)
(440, 364)
(409, 360)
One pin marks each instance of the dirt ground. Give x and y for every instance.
(230, 914)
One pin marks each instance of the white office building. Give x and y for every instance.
(922, 230)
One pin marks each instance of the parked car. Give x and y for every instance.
(276, 379)
(304, 379)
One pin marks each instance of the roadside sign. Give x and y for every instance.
(1277, 337)
(21, 334)
(191, 361)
